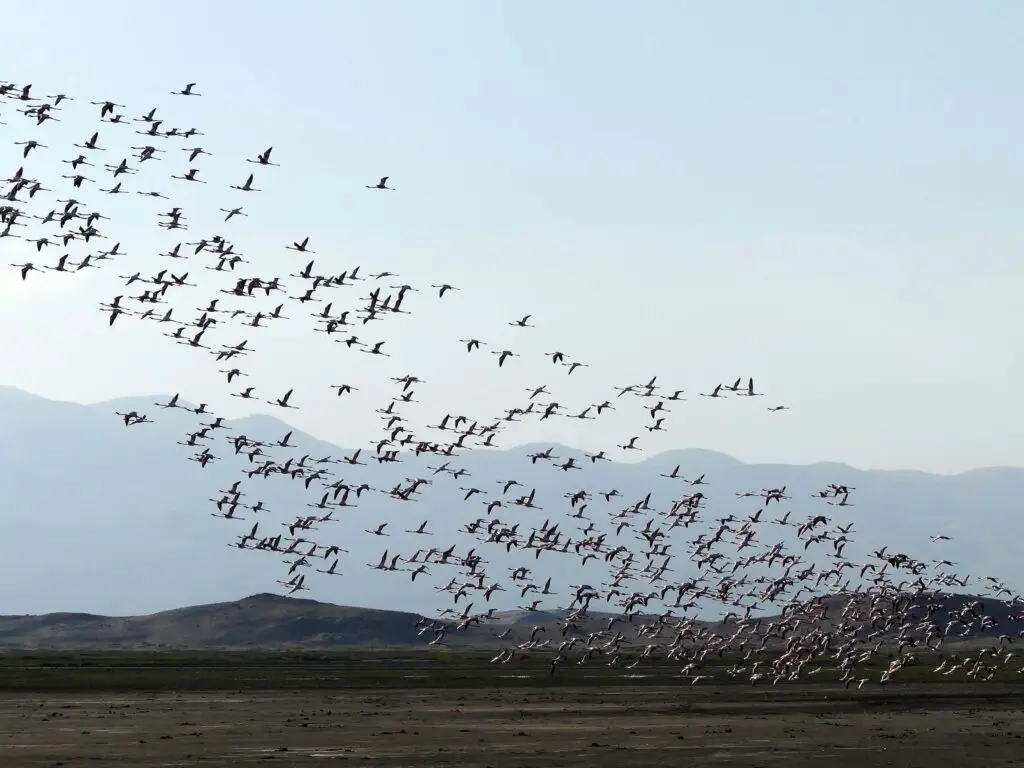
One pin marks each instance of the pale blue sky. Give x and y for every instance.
(824, 196)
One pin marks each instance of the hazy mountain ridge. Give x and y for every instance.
(113, 520)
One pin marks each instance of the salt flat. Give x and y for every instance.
(634, 727)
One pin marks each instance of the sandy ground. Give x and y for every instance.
(563, 727)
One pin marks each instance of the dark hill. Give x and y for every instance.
(260, 621)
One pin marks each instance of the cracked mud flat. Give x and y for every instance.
(563, 727)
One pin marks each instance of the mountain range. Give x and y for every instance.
(110, 520)
(271, 622)
(262, 621)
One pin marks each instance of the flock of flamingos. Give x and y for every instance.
(633, 571)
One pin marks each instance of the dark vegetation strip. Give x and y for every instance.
(291, 670)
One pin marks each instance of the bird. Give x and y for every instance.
(247, 186)
(262, 159)
(26, 268)
(186, 91)
(282, 402)
(232, 212)
(301, 246)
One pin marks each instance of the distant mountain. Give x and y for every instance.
(262, 621)
(114, 520)
(272, 622)
(259, 622)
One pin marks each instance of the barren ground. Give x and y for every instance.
(532, 728)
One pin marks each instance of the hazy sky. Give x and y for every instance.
(824, 198)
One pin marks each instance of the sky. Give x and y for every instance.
(824, 197)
